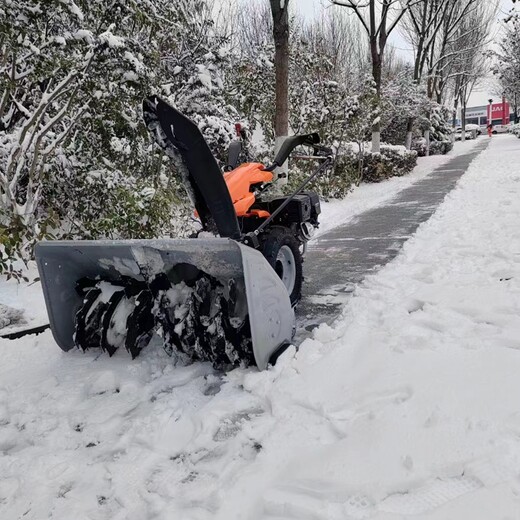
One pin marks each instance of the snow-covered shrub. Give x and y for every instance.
(335, 183)
(14, 240)
(436, 147)
(393, 161)
(441, 123)
(394, 130)
(128, 206)
(195, 68)
(75, 157)
(440, 147)
(419, 145)
(351, 168)
(320, 100)
(403, 101)
(346, 125)
(250, 88)
(440, 126)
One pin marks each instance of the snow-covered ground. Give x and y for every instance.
(408, 407)
(21, 304)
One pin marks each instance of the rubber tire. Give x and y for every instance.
(274, 240)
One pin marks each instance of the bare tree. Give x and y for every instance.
(508, 64)
(433, 27)
(382, 18)
(455, 39)
(469, 62)
(429, 26)
(422, 25)
(248, 26)
(338, 37)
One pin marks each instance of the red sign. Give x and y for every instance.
(501, 112)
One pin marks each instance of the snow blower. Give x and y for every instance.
(229, 299)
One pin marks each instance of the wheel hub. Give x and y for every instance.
(286, 268)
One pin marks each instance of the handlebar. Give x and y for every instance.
(290, 144)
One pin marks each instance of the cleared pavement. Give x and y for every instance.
(341, 258)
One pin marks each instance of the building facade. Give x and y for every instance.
(501, 114)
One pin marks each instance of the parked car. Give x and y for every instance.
(469, 134)
(470, 127)
(500, 129)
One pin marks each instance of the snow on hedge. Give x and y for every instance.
(74, 154)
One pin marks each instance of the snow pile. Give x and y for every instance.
(409, 407)
(412, 402)
(24, 302)
(10, 316)
(353, 147)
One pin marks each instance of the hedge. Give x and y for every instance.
(436, 147)
(392, 161)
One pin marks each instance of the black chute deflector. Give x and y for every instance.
(205, 181)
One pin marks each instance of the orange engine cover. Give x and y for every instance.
(239, 182)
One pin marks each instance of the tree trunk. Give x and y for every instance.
(455, 106)
(377, 67)
(409, 130)
(463, 120)
(280, 12)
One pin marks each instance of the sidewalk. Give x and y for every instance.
(341, 258)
